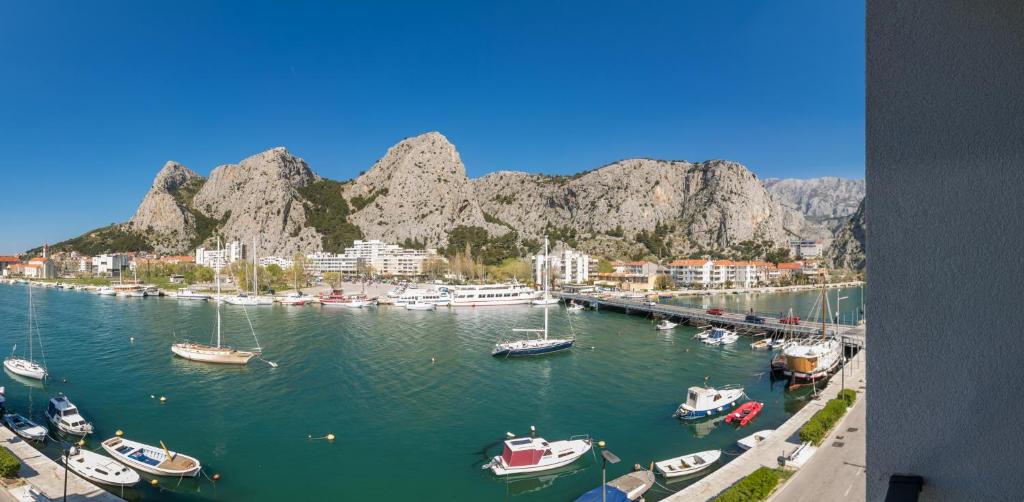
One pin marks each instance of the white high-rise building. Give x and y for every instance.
(384, 259)
(215, 259)
(568, 267)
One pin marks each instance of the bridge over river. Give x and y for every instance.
(737, 321)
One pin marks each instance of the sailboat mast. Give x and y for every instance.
(823, 308)
(255, 271)
(546, 293)
(30, 313)
(218, 292)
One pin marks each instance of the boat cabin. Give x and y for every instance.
(703, 398)
(524, 451)
(68, 413)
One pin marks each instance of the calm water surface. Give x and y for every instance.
(406, 427)
(844, 301)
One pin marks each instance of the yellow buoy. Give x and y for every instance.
(600, 444)
(330, 437)
(154, 482)
(119, 433)
(81, 443)
(163, 399)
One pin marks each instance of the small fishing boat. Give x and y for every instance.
(720, 336)
(188, 294)
(745, 413)
(64, 415)
(687, 464)
(358, 301)
(754, 439)
(295, 299)
(98, 468)
(420, 306)
(150, 459)
(522, 455)
(762, 344)
(708, 401)
(25, 428)
(631, 486)
(106, 291)
(665, 324)
(574, 307)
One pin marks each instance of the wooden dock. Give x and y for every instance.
(698, 316)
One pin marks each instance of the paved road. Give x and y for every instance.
(834, 473)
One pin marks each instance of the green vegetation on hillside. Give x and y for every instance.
(327, 212)
(360, 202)
(480, 244)
(113, 238)
(206, 226)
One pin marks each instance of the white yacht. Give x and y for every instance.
(523, 455)
(188, 294)
(64, 415)
(423, 295)
(720, 336)
(512, 293)
(106, 291)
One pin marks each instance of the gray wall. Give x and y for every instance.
(945, 244)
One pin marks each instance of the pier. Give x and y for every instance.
(698, 316)
(47, 476)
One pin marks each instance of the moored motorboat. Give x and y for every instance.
(151, 459)
(687, 464)
(720, 336)
(522, 455)
(420, 306)
(64, 415)
(666, 324)
(708, 401)
(188, 294)
(631, 486)
(574, 307)
(294, 299)
(754, 439)
(106, 291)
(98, 468)
(762, 344)
(745, 413)
(25, 428)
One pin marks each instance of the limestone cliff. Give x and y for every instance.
(162, 215)
(848, 249)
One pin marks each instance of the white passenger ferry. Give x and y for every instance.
(511, 293)
(423, 295)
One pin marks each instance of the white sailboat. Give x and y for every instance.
(216, 353)
(27, 367)
(255, 298)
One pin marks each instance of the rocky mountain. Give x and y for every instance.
(847, 250)
(827, 197)
(419, 191)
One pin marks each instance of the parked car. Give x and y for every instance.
(790, 320)
(715, 311)
(754, 318)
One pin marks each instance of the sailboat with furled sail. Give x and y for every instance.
(216, 353)
(28, 368)
(813, 359)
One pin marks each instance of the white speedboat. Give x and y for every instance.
(522, 455)
(188, 294)
(106, 291)
(703, 333)
(720, 336)
(708, 401)
(25, 428)
(420, 306)
(64, 415)
(151, 459)
(754, 439)
(295, 299)
(574, 307)
(687, 464)
(98, 468)
(665, 324)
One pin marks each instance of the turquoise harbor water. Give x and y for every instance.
(844, 301)
(406, 428)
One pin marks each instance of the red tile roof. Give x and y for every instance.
(9, 259)
(795, 265)
(687, 263)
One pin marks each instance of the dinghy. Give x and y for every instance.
(754, 439)
(687, 464)
(522, 455)
(745, 413)
(631, 486)
(25, 428)
(63, 414)
(665, 324)
(98, 468)
(151, 459)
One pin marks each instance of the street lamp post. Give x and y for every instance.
(606, 458)
(842, 360)
(67, 455)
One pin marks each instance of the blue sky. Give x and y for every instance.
(96, 96)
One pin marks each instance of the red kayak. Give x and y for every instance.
(745, 413)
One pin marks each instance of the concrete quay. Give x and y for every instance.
(47, 476)
(786, 439)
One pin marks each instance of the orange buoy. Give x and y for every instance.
(216, 476)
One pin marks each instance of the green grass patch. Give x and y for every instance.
(9, 464)
(114, 238)
(757, 486)
(818, 427)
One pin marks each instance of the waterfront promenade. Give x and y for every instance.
(47, 476)
(786, 439)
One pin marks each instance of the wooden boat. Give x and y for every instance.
(631, 486)
(762, 344)
(151, 459)
(745, 413)
(687, 464)
(522, 455)
(754, 439)
(25, 428)
(98, 468)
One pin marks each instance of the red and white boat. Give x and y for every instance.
(523, 455)
(336, 298)
(293, 299)
(745, 413)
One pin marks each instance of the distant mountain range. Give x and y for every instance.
(418, 194)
